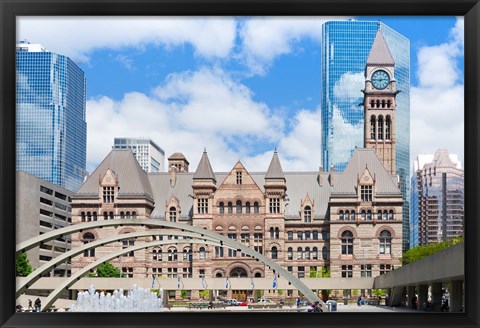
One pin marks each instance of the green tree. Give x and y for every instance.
(204, 294)
(419, 252)
(107, 270)
(378, 292)
(23, 266)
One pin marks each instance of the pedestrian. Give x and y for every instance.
(444, 305)
(386, 300)
(414, 302)
(298, 302)
(30, 305)
(210, 305)
(359, 300)
(38, 305)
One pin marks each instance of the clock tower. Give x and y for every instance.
(379, 103)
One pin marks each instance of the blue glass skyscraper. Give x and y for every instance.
(345, 48)
(51, 131)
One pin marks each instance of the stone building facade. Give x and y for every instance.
(348, 222)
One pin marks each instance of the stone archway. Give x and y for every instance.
(238, 272)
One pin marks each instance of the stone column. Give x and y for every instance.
(410, 294)
(437, 296)
(422, 296)
(456, 297)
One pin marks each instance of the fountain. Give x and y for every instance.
(137, 300)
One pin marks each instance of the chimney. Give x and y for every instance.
(320, 179)
(331, 175)
(173, 175)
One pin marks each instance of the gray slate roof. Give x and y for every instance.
(275, 170)
(133, 181)
(346, 183)
(380, 53)
(204, 169)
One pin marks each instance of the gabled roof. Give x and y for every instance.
(132, 180)
(275, 170)
(380, 53)
(204, 169)
(346, 183)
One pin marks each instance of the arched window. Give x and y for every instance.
(258, 275)
(385, 242)
(390, 215)
(105, 215)
(347, 215)
(274, 253)
(372, 127)
(83, 216)
(159, 255)
(239, 207)
(364, 215)
(173, 214)
(247, 207)
(290, 253)
(218, 275)
(88, 237)
(325, 253)
(378, 103)
(347, 243)
(307, 214)
(122, 215)
(299, 253)
(383, 103)
(314, 253)
(340, 215)
(307, 253)
(277, 233)
(221, 208)
(379, 215)
(89, 216)
(94, 216)
(230, 208)
(201, 253)
(380, 127)
(385, 213)
(272, 233)
(128, 214)
(185, 254)
(352, 216)
(172, 254)
(134, 215)
(372, 103)
(389, 103)
(388, 127)
(111, 215)
(369, 215)
(255, 208)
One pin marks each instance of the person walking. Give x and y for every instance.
(414, 302)
(30, 307)
(359, 300)
(38, 305)
(298, 302)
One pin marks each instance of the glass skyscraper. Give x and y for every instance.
(51, 131)
(345, 48)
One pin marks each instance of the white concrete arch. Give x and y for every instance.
(23, 284)
(223, 240)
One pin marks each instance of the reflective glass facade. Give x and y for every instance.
(437, 200)
(345, 48)
(51, 131)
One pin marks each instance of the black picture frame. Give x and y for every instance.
(10, 9)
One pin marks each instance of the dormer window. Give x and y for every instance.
(173, 214)
(108, 195)
(307, 214)
(239, 177)
(366, 193)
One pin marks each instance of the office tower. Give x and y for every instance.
(437, 198)
(345, 49)
(42, 207)
(51, 130)
(148, 154)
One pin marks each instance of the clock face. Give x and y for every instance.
(380, 79)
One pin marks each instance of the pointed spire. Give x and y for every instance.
(275, 170)
(380, 53)
(204, 169)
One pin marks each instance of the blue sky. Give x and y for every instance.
(239, 86)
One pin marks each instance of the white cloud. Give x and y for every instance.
(263, 39)
(349, 86)
(346, 132)
(77, 37)
(205, 108)
(437, 102)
